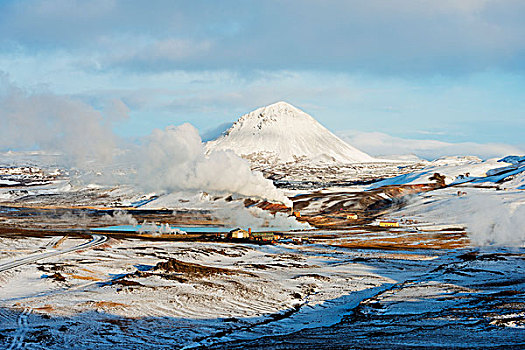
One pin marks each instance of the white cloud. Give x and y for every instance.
(155, 54)
(380, 144)
(397, 37)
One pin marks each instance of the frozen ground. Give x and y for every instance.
(305, 296)
(443, 279)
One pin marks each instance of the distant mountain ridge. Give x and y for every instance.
(281, 133)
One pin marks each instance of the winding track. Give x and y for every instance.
(18, 339)
(96, 240)
(23, 326)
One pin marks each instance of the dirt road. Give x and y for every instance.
(96, 240)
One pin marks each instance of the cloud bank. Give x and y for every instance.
(381, 144)
(396, 64)
(393, 37)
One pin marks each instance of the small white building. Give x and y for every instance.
(239, 234)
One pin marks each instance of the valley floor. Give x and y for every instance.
(345, 282)
(136, 294)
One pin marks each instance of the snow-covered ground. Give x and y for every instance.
(458, 170)
(485, 197)
(360, 286)
(116, 296)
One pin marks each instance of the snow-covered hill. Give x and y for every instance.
(281, 133)
(508, 172)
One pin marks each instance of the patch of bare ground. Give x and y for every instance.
(106, 304)
(54, 267)
(233, 252)
(122, 323)
(44, 309)
(330, 210)
(192, 270)
(85, 278)
(33, 218)
(255, 266)
(57, 277)
(447, 240)
(126, 283)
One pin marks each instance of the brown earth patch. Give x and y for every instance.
(45, 308)
(191, 269)
(107, 304)
(454, 240)
(86, 278)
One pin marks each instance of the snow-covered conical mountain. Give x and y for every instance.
(282, 133)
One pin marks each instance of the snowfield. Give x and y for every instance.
(118, 296)
(458, 170)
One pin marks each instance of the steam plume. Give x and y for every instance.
(171, 159)
(491, 218)
(54, 123)
(174, 160)
(235, 214)
(490, 221)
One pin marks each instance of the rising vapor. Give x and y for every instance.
(169, 160)
(174, 159)
(42, 120)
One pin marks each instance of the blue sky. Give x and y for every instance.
(446, 70)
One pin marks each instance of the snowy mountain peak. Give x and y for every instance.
(281, 107)
(277, 113)
(280, 133)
